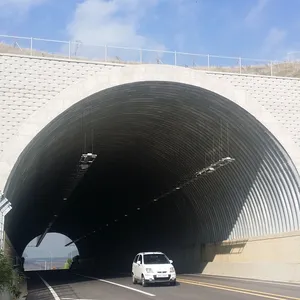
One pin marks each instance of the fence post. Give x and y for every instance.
(141, 55)
(31, 46)
(208, 61)
(271, 66)
(240, 64)
(69, 49)
(175, 58)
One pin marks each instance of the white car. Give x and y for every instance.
(153, 267)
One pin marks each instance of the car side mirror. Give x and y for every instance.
(171, 261)
(139, 263)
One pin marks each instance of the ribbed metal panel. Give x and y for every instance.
(177, 126)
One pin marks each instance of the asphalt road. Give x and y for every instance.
(63, 285)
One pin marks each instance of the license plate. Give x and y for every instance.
(161, 275)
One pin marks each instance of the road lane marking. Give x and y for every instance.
(242, 289)
(77, 299)
(244, 279)
(55, 296)
(117, 284)
(238, 290)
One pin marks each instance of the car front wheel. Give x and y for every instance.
(144, 283)
(173, 283)
(133, 279)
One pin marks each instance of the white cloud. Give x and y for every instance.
(253, 17)
(274, 41)
(114, 23)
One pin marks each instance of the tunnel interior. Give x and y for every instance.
(149, 137)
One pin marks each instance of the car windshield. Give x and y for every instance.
(152, 259)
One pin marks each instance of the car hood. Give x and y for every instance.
(162, 267)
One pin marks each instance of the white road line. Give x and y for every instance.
(117, 284)
(55, 296)
(77, 299)
(244, 279)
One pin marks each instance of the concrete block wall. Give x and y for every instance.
(28, 83)
(279, 96)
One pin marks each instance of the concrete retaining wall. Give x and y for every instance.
(283, 272)
(275, 258)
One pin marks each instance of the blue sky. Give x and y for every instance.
(248, 28)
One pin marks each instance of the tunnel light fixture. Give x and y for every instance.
(86, 160)
(205, 171)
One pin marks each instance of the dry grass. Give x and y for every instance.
(282, 69)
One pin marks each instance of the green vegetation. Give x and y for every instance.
(68, 263)
(10, 279)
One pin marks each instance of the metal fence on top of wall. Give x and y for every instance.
(77, 50)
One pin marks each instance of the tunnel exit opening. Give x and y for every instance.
(50, 254)
(148, 137)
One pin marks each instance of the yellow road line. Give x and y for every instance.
(237, 290)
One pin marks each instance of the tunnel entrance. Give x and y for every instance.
(149, 137)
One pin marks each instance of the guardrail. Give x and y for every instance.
(77, 50)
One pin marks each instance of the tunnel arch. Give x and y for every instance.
(260, 189)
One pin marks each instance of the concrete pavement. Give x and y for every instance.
(64, 285)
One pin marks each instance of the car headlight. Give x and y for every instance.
(149, 270)
(172, 270)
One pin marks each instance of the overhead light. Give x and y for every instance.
(86, 160)
(209, 170)
(65, 199)
(125, 215)
(138, 208)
